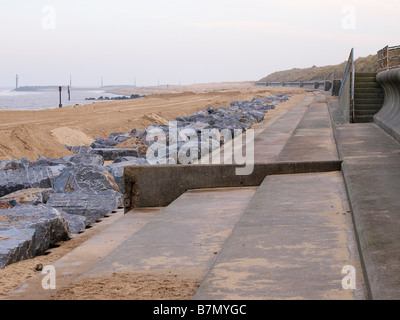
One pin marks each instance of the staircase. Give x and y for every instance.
(336, 87)
(368, 97)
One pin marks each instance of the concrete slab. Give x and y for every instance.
(184, 239)
(371, 170)
(270, 136)
(292, 243)
(313, 138)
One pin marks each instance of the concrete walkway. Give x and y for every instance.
(292, 243)
(371, 170)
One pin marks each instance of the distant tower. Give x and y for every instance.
(16, 82)
(102, 83)
(70, 81)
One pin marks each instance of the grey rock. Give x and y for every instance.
(76, 222)
(14, 180)
(113, 154)
(49, 225)
(49, 162)
(92, 206)
(14, 164)
(81, 149)
(117, 169)
(28, 196)
(138, 160)
(15, 245)
(85, 178)
(88, 159)
(120, 137)
(101, 143)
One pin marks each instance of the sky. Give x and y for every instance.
(184, 42)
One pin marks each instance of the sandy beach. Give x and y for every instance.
(30, 134)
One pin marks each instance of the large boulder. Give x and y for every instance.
(117, 169)
(86, 179)
(76, 222)
(88, 159)
(16, 245)
(27, 231)
(113, 154)
(92, 206)
(14, 180)
(14, 164)
(28, 196)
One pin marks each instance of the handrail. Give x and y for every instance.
(350, 62)
(389, 58)
(349, 72)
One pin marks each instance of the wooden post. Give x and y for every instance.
(60, 89)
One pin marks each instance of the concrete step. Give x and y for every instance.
(362, 112)
(365, 74)
(369, 102)
(364, 119)
(372, 95)
(373, 84)
(291, 243)
(367, 90)
(364, 80)
(367, 107)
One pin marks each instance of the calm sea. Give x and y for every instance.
(39, 100)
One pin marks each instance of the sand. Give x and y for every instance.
(30, 134)
(131, 286)
(33, 133)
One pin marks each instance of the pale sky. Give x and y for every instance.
(176, 41)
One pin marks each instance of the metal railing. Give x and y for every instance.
(389, 58)
(346, 92)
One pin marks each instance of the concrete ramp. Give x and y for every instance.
(185, 238)
(292, 243)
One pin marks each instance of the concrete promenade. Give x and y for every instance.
(288, 238)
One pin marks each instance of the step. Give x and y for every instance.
(367, 85)
(292, 242)
(365, 74)
(364, 119)
(366, 108)
(365, 80)
(370, 102)
(368, 90)
(368, 96)
(362, 112)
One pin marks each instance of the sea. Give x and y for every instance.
(47, 99)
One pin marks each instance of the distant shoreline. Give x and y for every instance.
(55, 88)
